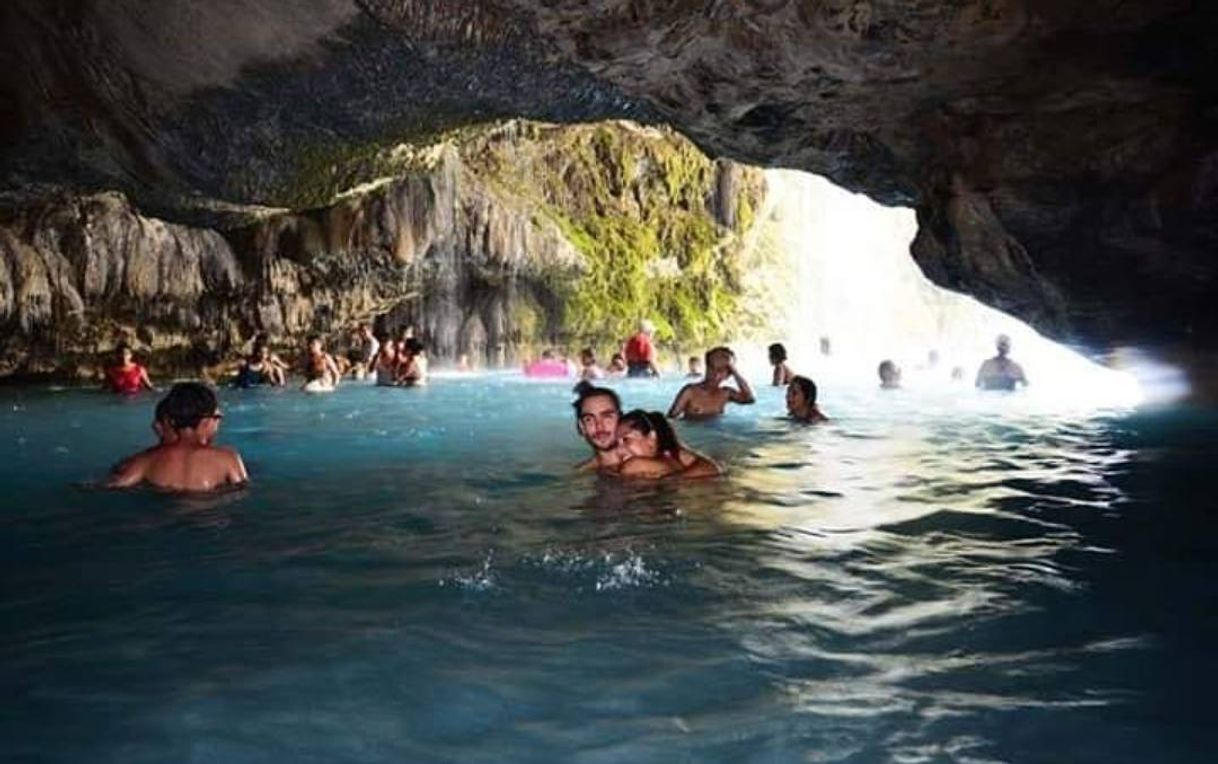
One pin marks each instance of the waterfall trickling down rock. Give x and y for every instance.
(851, 287)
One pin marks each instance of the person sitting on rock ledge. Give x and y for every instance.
(709, 398)
(1000, 372)
(782, 372)
(127, 377)
(185, 460)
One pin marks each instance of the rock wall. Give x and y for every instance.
(1062, 154)
(478, 241)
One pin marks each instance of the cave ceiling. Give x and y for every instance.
(1061, 154)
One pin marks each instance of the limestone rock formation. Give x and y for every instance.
(1062, 155)
(487, 242)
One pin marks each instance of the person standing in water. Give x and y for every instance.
(778, 358)
(321, 372)
(363, 352)
(258, 369)
(185, 460)
(597, 411)
(649, 448)
(640, 354)
(709, 397)
(589, 368)
(1000, 372)
(801, 401)
(127, 377)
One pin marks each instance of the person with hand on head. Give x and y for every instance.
(699, 400)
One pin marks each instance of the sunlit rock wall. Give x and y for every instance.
(489, 242)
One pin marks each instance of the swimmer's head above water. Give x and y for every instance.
(646, 434)
(597, 411)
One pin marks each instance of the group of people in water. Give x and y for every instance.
(637, 443)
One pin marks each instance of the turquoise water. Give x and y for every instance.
(417, 576)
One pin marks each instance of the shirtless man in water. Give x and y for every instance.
(597, 410)
(1000, 372)
(185, 460)
(699, 400)
(321, 371)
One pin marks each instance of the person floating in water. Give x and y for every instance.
(695, 368)
(126, 377)
(185, 460)
(1000, 372)
(890, 375)
(709, 397)
(801, 401)
(782, 372)
(640, 354)
(321, 372)
(258, 369)
(649, 448)
(597, 411)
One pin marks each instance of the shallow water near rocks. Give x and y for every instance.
(416, 575)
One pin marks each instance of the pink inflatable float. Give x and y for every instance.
(547, 367)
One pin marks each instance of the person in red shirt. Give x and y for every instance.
(127, 377)
(640, 353)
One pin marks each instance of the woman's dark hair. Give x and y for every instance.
(414, 345)
(778, 353)
(189, 403)
(648, 422)
(585, 390)
(807, 387)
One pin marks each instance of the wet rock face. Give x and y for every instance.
(482, 242)
(1062, 155)
(78, 274)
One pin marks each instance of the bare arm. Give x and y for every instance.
(645, 468)
(745, 393)
(679, 403)
(128, 473)
(236, 470)
(776, 380)
(145, 382)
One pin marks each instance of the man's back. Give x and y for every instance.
(184, 467)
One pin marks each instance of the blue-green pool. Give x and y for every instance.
(417, 576)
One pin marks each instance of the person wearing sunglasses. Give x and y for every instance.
(187, 462)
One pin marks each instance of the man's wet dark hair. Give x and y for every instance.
(778, 353)
(806, 386)
(414, 345)
(585, 390)
(648, 422)
(187, 404)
